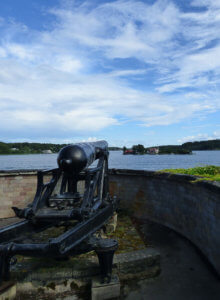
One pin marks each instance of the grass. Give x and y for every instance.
(206, 173)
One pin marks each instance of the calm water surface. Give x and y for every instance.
(116, 160)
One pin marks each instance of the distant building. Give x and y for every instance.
(47, 152)
(14, 149)
(153, 151)
(128, 151)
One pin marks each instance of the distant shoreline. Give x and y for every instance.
(48, 148)
(20, 154)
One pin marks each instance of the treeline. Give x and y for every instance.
(174, 149)
(114, 148)
(28, 148)
(203, 145)
(4, 148)
(185, 148)
(192, 146)
(171, 149)
(32, 148)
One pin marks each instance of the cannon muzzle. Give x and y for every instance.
(76, 157)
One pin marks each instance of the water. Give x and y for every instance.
(116, 160)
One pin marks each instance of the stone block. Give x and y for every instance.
(112, 223)
(104, 291)
(137, 261)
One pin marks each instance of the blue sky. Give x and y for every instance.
(126, 71)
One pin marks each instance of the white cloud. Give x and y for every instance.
(90, 139)
(199, 137)
(50, 80)
(126, 73)
(121, 29)
(68, 64)
(204, 3)
(159, 34)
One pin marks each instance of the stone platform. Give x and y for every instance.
(76, 274)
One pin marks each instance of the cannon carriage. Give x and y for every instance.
(75, 196)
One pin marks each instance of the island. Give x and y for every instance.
(185, 148)
(140, 150)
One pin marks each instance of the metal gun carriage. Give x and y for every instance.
(59, 202)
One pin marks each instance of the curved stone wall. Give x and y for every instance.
(180, 202)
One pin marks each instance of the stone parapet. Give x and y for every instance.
(183, 203)
(16, 189)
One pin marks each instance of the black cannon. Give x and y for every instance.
(76, 196)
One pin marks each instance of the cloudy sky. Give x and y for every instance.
(126, 71)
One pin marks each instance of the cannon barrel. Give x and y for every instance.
(76, 157)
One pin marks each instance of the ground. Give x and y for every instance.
(185, 274)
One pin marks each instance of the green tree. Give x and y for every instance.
(4, 148)
(139, 149)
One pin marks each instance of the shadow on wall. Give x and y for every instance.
(180, 202)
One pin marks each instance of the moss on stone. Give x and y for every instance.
(127, 236)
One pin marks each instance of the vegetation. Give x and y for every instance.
(126, 234)
(186, 148)
(203, 145)
(138, 149)
(4, 148)
(173, 150)
(206, 172)
(28, 148)
(114, 148)
(32, 148)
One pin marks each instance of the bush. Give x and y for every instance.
(207, 172)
